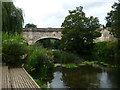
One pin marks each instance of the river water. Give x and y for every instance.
(83, 77)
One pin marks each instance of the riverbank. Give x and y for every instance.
(87, 63)
(95, 64)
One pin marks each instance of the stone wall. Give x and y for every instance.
(105, 36)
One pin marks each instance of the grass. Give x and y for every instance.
(86, 63)
(40, 83)
(70, 66)
(97, 63)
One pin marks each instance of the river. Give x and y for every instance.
(83, 77)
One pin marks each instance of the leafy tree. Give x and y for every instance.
(113, 18)
(12, 18)
(30, 26)
(109, 19)
(79, 31)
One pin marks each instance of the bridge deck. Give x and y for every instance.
(17, 78)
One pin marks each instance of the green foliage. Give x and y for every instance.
(49, 43)
(79, 31)
(13, 49)
(109, 19)
(107, 52)
(40, 83)
(70, 66)
(113, 18)
(97, 64)
(12, 18)
(65, 57)
(30, 25)
(105, 49)
(39, 61)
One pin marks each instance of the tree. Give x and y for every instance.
(12, 18)
(113, 17)
(30, 25)
(79, 31)
(109, 19)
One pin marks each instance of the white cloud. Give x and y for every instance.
(51, 13)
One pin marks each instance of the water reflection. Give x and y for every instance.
(83, 77)
(57, 82)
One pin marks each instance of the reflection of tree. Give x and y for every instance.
(114, 77)
(50, 74)
(49, 77)
(81, 78)
(85, 77)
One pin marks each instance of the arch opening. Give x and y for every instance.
(50, 43)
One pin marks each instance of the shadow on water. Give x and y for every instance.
(83, 77)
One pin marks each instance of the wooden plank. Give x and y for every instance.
(30, 78)
(26, 80)
(17, 78)
(21, 79)
(5, 77)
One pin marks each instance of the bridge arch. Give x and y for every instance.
(56, 38)
(31, 35)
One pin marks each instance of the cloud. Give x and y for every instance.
(51, 13)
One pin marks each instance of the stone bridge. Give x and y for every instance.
(31, 35)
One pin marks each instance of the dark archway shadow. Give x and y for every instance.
(51, 43)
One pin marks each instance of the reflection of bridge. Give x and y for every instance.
(31, 35)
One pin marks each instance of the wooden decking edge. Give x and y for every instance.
(31, 78)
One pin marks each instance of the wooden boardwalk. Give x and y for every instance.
(17, 78)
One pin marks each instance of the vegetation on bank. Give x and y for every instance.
(63, 57)
(14, 49)
(107, 52)
(39, 61)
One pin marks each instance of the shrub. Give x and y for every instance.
(39, 61)
(106, 51)
(40, 83)
(13, 49)
(65, 57)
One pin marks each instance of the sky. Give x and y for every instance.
(51, 13)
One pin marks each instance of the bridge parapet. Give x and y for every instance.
(42, 29)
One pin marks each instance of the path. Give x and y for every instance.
(13, 78)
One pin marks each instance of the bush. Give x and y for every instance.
(106, 51)
(65, 57)
(39, 61)
(40, 83)
(13, 49)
